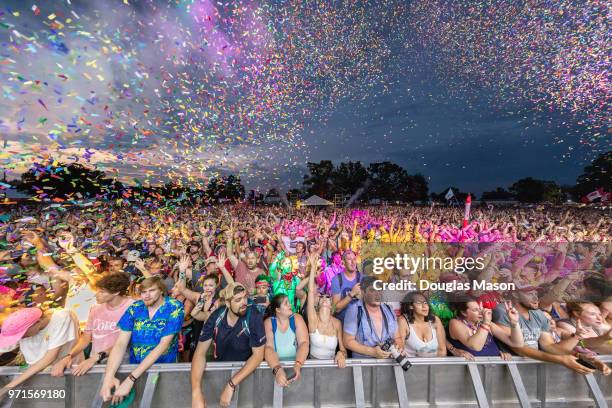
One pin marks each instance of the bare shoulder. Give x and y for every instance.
(299, 318)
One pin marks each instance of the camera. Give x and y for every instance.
(389, 346)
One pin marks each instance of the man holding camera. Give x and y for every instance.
(369, 323)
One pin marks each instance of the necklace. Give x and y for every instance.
(475, 329)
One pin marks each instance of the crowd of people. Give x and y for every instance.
(112, 284)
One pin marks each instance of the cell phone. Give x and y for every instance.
(586, 363)
(291, 376)
(260, 299)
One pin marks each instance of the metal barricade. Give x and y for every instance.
(439, 382)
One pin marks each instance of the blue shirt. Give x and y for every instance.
(147, 333)
(363, 332)
(233, 343)
(343, 290)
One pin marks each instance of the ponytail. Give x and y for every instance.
(275, 303)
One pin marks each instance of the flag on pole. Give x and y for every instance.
(594, 195)
(449, 194)
(466, 214)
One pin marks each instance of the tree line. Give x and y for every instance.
(385, 181)
(390, 182)
(74, 181)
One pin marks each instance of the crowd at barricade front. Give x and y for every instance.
(107, 284)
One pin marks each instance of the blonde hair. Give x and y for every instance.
(153, 281)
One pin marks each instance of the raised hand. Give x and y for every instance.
(184, 263)
(581, 332)
(66, 241)
(513, 314)
(221, 259)
(487, 314)
(139, 264)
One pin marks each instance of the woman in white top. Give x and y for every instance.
(325, 330)
(421, 330)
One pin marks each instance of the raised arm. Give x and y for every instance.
(230, 250)
(310, 306)
(512, 336)
(221, 264)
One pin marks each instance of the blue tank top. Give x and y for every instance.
(285, 343)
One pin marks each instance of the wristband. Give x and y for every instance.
(275, 370)
(298, 362)
(131, 377)
(231, 384)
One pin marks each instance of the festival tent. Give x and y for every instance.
(315, 201)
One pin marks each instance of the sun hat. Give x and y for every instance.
(16, 324)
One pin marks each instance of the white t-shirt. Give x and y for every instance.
(290, 244)
(59, 332)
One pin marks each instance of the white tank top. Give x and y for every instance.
(323, 347)
(415, 347)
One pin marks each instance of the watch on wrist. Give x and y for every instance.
(101, 356)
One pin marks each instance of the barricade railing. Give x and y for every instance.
(439, 382)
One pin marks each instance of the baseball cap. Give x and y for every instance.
(231, 290)
(16, 324)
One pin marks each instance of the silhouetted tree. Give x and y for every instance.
(416, 189)
(388, 181)
(348, 177)
(67, 181)
(232, 188)
(596, 175)
(319, 181)
(530, 190)
(499, 193)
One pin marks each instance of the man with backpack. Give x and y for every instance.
(345, 286)
(236, 333)
(368, 323)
